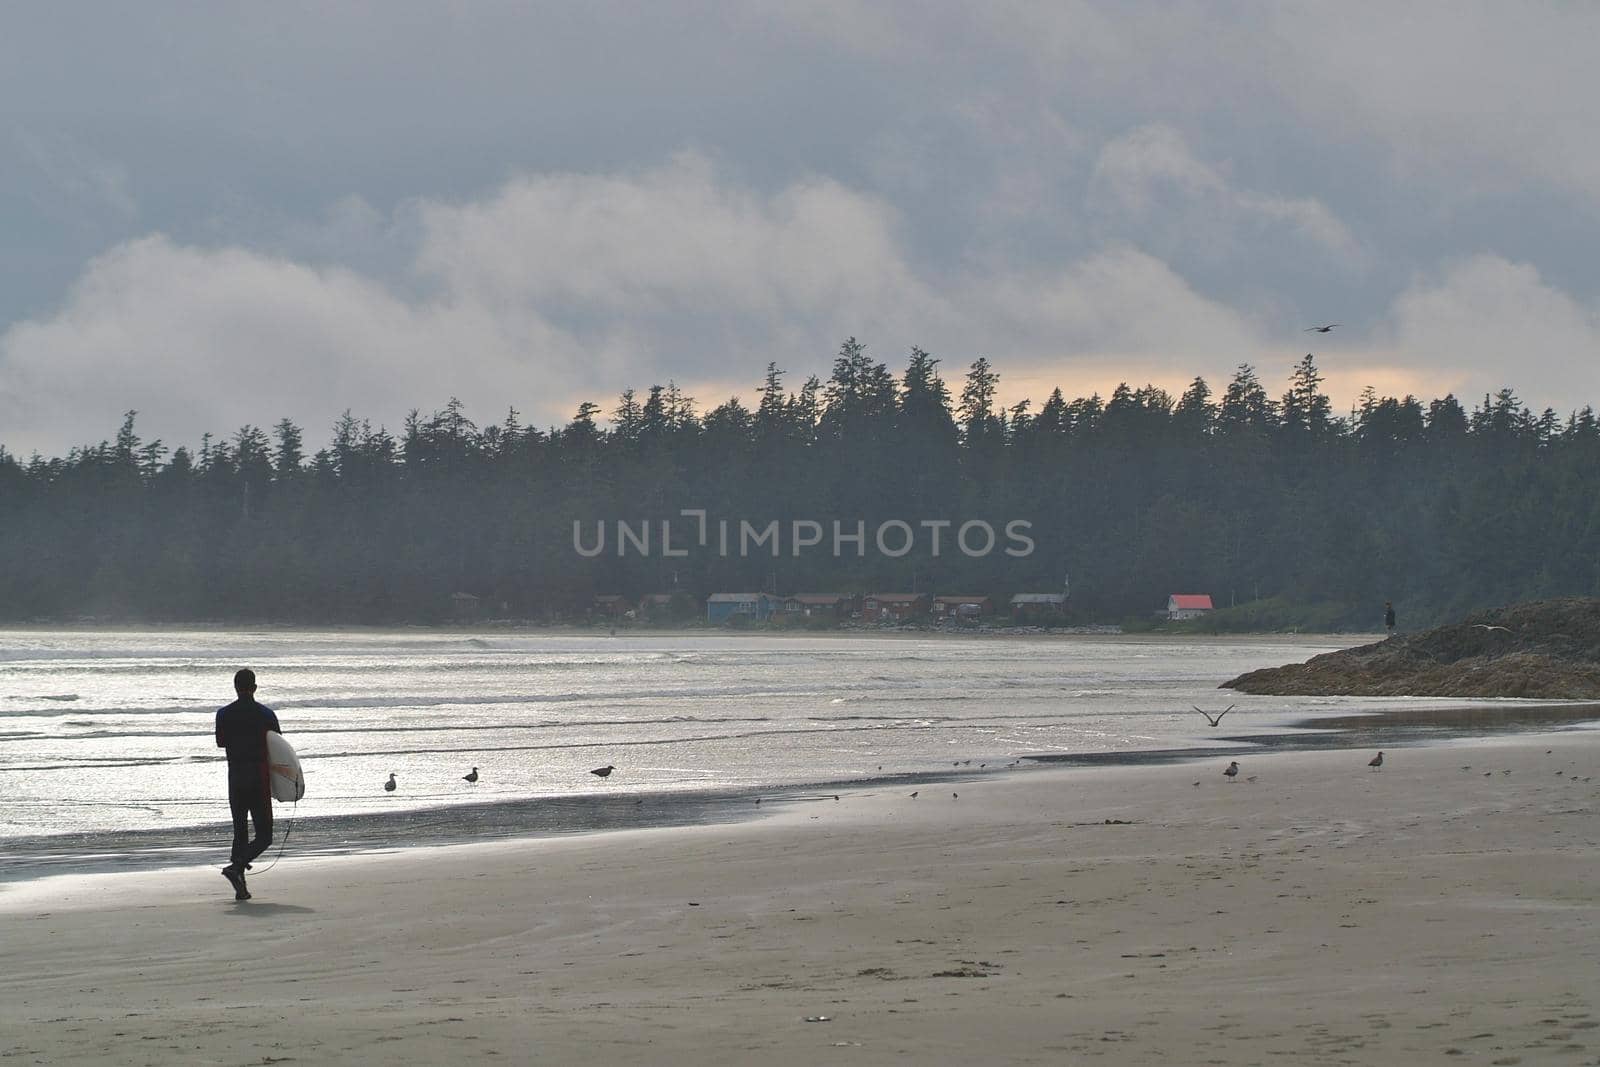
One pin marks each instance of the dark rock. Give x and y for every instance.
(1548, 649)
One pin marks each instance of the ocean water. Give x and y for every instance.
(106, 739)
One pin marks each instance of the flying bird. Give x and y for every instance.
(1321, 329)
(470, 777)
(1214, 719)
(388, 787)
(1486, 626)
(603, 772)
(1232, 772)
(1376, 762)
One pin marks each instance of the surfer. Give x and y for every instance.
(242, 730)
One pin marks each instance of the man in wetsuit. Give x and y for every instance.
(1388, 617)
(242, 729)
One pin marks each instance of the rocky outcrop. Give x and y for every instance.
(1548, 649)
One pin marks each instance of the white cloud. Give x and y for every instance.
(1149, 178)
(208, 340)
(1487, 322)
(670, 240)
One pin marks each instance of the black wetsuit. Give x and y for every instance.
(242, 729)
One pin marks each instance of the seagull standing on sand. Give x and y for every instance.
(388, 787)
(470, 777)
(1376, 762)
(1214, 719)
(1232, 773)
(603, 772)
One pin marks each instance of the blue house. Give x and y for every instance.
(757, 607)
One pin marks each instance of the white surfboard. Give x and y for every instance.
(283, 769)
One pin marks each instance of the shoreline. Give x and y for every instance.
(542, 818)
(1087, 631)
(1437, 910)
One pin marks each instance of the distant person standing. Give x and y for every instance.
(1388, 617)
(242, 730)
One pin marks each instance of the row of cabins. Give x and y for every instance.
(909, 607)
(880, 607)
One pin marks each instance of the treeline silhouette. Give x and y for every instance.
(1281, 509)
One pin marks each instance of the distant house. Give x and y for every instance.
(1187, 606)
(819, 605)
(894, 607)
(723, 607)
(679, 605)
(962, 607)
(465, 607)
(1038, 607)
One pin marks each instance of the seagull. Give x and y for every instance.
(472, 777)
(1486, 626)
(955, 796)
(1214, 719)
(603, 772)
(388, 787)
(1322, 329)
(1232, 772)
(1376, 762)
(914, 795)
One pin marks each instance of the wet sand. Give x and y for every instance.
(1322, 913)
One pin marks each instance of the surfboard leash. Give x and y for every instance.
(284, 843)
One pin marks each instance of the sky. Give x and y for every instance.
(231, 214)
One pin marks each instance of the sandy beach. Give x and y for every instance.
(1319, 913)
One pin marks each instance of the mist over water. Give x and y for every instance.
(108, 731)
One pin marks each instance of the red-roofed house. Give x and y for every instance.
(1187, 606)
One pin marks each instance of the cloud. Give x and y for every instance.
(1148, 180)
(558, 286)
(211, 339)
(1470, 97)
(1486, 322)
(562, 286)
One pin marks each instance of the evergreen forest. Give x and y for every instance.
(1287, 513)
